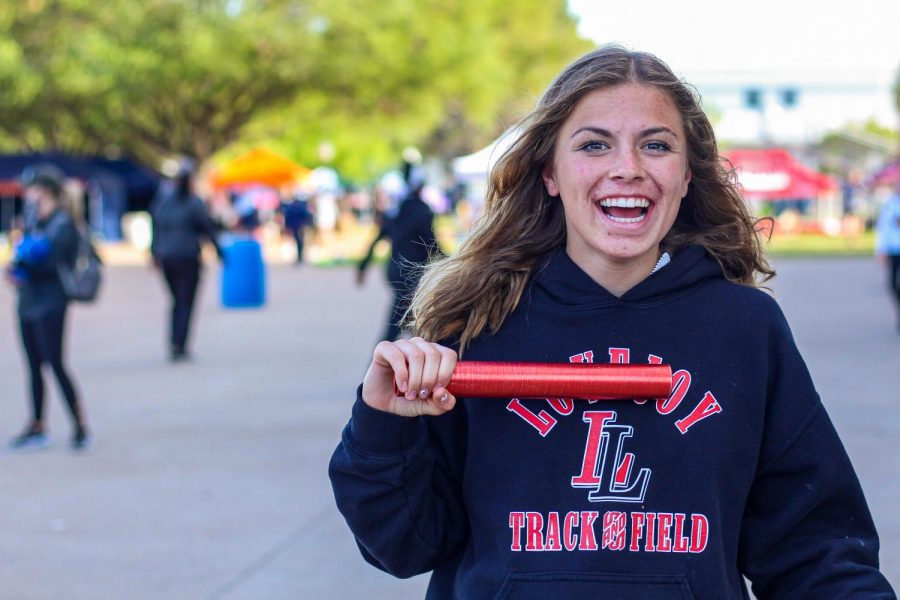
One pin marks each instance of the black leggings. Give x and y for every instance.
(182, 275)
(43, 342)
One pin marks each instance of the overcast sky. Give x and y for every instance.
(836, 41)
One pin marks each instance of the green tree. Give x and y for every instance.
(196, 77)
(49, 88)
(207, 72)
(446, 76)
(153, 77)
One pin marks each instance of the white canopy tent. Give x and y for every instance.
(473, 169)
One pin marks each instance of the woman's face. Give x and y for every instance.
(41, 199)
(621, 169)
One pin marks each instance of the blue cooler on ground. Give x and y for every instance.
(243, 275)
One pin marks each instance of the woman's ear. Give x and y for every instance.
(550, 180)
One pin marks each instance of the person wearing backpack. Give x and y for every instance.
(48, 247)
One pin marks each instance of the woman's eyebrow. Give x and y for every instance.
(656, 130)
(589, 129)
(606, 133)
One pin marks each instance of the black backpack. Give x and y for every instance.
(81, 282)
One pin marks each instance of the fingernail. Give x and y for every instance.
(444, 397)
(403, 386)
(423, 394)
(410, 395)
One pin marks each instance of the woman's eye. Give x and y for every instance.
(594, 146)
(657, 146)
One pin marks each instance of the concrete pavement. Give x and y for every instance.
(208, 480)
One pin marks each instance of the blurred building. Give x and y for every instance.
(795, 109)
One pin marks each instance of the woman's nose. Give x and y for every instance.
(627, 165)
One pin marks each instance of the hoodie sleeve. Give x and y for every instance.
(393, 484)
(807, 531)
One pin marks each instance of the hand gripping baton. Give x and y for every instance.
(476, 379)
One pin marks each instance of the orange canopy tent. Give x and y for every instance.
(774, 174)
(259, 166)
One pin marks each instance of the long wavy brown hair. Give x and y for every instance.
(475, 289)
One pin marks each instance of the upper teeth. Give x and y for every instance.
(626, 202)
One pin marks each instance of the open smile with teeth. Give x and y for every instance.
(625, 210)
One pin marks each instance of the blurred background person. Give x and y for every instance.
(887, 243)
(180, 221)
(295, 216)
(50, 241)
(409, 227)
(246, 213)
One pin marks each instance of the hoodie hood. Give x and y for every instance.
(566, 283)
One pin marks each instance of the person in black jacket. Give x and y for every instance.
(180, 222)
(612, 233)
(50, 242)
(413, 243)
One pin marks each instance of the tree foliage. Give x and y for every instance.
(444, 75)
(196, 77)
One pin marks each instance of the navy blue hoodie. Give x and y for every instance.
(738, 472)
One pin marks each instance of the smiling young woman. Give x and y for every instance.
(621, 169)
(612, 233)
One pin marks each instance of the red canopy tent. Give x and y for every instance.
(774, 174)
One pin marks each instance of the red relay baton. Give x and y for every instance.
(476, 379)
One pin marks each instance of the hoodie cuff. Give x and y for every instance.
(377, 432)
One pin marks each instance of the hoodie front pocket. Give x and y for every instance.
(595, 586)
